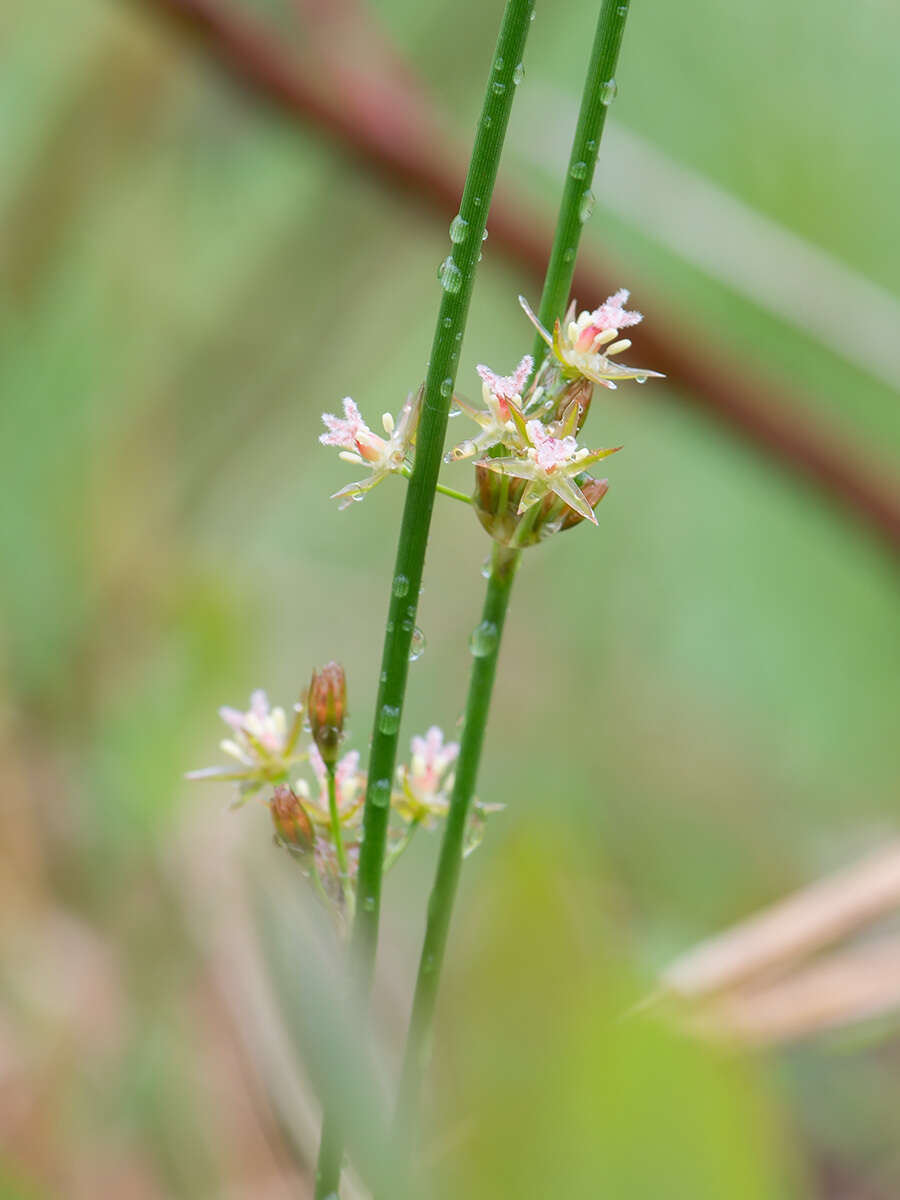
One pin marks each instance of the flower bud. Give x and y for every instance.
(579, 392)
(327, 707)
(292, 824)
(496, 502)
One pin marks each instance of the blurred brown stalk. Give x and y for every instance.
(753, 981)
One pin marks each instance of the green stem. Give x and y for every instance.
(440, 487)
(338, 836)
(453, 494)
(558, 280)
(481, 682)
(599, 88)
(457, 276)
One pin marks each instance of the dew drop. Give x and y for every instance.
(417, 645)
(389, 719)
(446, 387)
(498, 88)
(568, 255)
(498, 63)
(640, 379)
(608, 92)
(486, 568)
(586, 205)
(369, 904)
(450, 276)
(484, 639)
(590, 146)
(518, 74)
(486, 121)
(454, 412)
(463, 450)
(476, 202)
(400, 586)
(428, 964)
(447, 322)
(381, 793)
(459, 229)
(622, 10)
(484, 236)
(578, 170)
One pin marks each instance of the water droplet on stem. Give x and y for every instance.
(459, 229)
(389, 719)
(484, 639)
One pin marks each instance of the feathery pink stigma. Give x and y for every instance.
(611, 314)
(550, 452)
(345, 432)
(507, 387)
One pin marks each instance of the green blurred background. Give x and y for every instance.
(697, 707)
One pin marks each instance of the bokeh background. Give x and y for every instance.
(697, 707)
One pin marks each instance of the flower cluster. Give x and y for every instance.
(531, 475)
(325, 837)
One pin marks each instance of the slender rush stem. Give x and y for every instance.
(481, 682)
(599, 90)
(457, 275)
(558, 280)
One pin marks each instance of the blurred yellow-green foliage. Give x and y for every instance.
(701, 695)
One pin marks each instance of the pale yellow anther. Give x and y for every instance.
(350, 457)
(618, 347)
(387, 422)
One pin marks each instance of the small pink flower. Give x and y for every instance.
(551, 464)
(609, 316)
(352, 434)
(495, 418)
(549, 452)
(425, 782)
(358, 444)
(430, 760)
(262, 742)
(584, 345)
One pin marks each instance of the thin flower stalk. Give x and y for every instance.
(598, 91)
(457, 275)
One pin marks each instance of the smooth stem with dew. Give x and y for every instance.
(598, 91)
(577, 200)
(457, 276)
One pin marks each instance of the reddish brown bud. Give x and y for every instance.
(580, 392)
(292, 824)
(327, 708)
